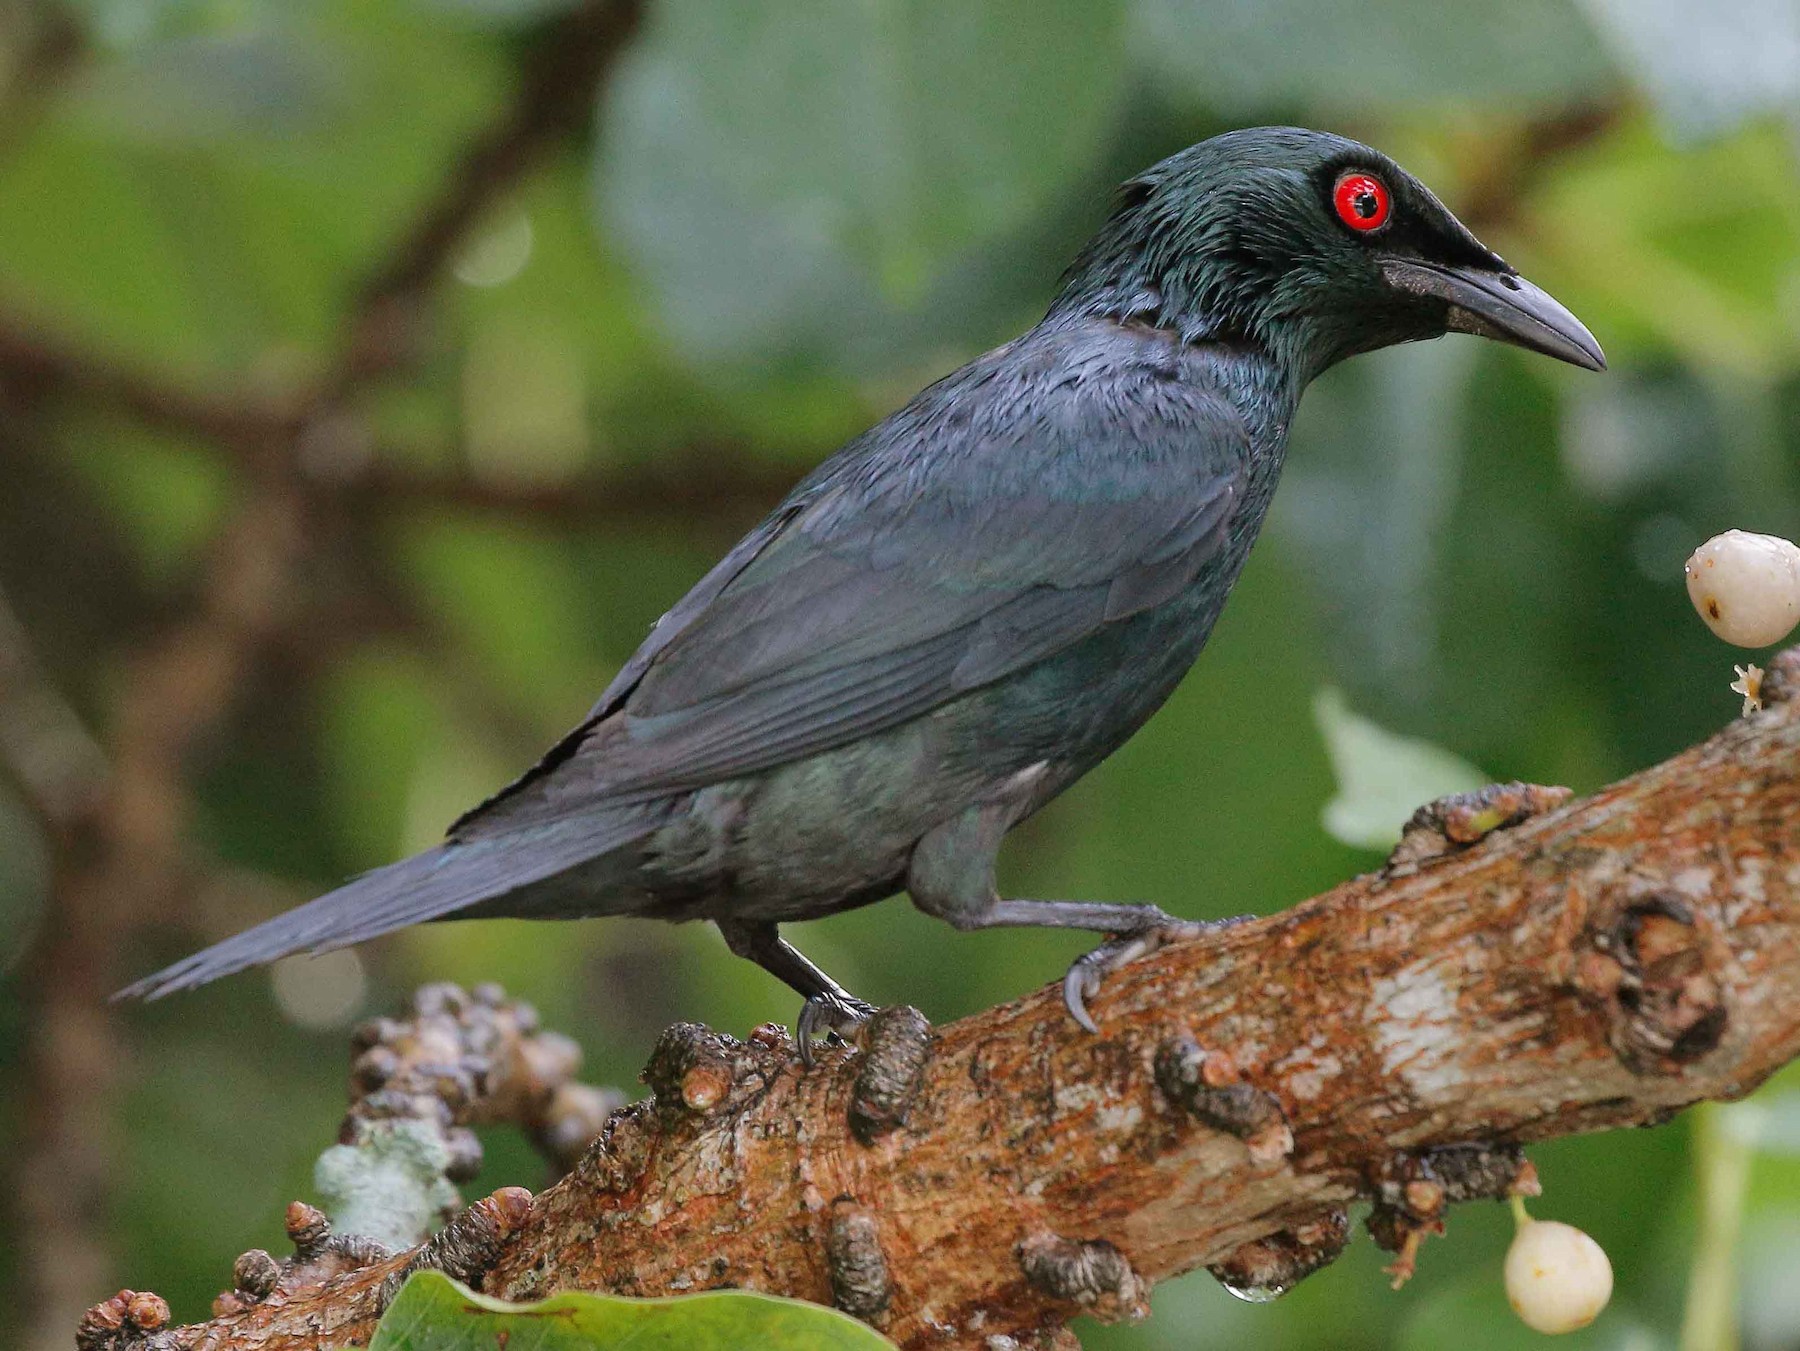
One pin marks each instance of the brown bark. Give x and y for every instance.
(1599, 964)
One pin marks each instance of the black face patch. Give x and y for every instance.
(1414, 221)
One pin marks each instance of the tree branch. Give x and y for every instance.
(44, 747)
(34, 365)
(559, 78)
(1600, 964)
(698, 484)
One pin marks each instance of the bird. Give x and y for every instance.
(970, 605)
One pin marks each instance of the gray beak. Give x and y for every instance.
(1500, 305)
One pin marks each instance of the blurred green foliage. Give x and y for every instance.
(787, 218)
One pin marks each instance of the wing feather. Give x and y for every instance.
(940, 553)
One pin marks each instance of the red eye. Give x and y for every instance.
(1362, 201)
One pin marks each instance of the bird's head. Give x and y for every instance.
(1312, 246)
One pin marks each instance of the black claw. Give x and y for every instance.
(833, 1014)
(803, 1030)
(1075, 994)
(1082, 982)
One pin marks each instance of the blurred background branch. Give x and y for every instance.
(58, 767)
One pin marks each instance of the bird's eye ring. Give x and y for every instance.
(1362, 201)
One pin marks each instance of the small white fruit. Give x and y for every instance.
(1746, 587)
(1557, 1278)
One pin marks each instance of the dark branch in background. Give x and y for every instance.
(1493, 200)
(57, 766)
(563, 67)
(53, 46)
(36, 367)
(697, 485)
(121, 861)
(1581, 966)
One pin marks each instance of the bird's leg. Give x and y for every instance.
(952, 876)
(829, 1006)
(1137, 931)
(1082, 980)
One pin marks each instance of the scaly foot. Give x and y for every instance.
(1086, 973)
(837, 1014)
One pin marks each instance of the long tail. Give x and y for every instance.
(430, 885)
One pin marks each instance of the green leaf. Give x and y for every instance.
(196, 90)
(1469, 1312)
(1368, 509)
(168, 495)
(501, 14)
(1382, 776)
(1707, 70)
(1769, 1122)
(1353, 55)
(802, 178)
(1707, 276)
(434, 1313)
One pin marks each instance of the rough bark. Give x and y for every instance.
(1602, 963)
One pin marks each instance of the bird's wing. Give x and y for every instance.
(898, 578)
(665, 631)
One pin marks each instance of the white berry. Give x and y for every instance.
(1746, 587)
(1557, 1278)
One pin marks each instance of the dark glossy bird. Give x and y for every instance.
(976, 601)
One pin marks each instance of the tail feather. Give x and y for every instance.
(430, 885)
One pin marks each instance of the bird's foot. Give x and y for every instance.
(838, 1014)
(1088, 970)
